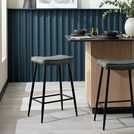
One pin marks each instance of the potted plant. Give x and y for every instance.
(125, 7)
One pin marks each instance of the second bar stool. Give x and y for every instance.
(124, 64)
(58, 60)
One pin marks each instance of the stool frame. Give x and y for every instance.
(107, 93)
(43, 102)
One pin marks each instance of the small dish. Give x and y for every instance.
(80, 32)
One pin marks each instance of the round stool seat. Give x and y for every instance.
(57, 59)
(121, 64)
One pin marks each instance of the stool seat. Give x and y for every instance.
(121, 64)
(57, 59)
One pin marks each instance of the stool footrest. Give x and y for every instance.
(50, 96)
(54, 101)
(118, 101)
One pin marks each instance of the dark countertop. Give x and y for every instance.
(95, 38)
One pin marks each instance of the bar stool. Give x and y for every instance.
(126, 64)
(58, 60)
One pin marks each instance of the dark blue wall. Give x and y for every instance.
(42, 32)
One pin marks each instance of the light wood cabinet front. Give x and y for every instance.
(119, 86)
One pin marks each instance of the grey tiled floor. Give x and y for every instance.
(14, 120)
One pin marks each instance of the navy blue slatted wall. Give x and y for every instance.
(42, 32)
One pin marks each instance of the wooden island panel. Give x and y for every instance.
(119, 86)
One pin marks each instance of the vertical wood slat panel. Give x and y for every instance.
(42, 32)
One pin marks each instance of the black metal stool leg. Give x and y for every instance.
(106, 99)
(131, 91)
(43, 94)
(61, 89)
(32, 89)
(73, 92)
(98, 93)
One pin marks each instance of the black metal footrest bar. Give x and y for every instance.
(66, 95)
(45, 96)
(53, 101)
(50, 96)
(120, 101)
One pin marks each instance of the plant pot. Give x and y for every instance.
(129, 27)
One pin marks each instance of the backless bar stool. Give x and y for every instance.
(58, 60)
(126, 64)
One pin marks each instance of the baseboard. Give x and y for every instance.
(114, 110)
(3, 90)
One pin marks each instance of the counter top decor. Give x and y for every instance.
(126, 8)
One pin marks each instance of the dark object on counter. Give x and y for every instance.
(88, 34)
(111, 33)
(80, 32)
(107, 37)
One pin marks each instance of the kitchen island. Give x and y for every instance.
(104, 48)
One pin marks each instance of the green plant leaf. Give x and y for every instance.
(125, 7)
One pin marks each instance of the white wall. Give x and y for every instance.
(12, 3)
(81, 3)
(88, 3)
(3, 42)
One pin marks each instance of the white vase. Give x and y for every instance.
(129, 27)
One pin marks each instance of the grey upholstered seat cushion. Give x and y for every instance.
(121, 64)
(57, 59)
